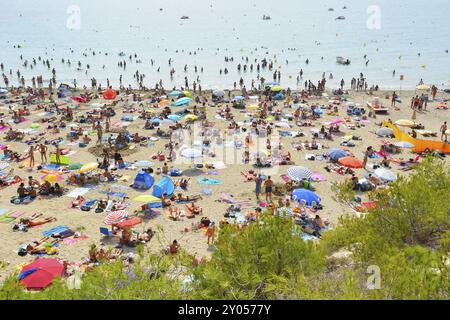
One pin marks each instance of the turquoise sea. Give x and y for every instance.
(297, 30)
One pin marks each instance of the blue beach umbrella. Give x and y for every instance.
(336, 154)
(182, 101)
(174, 117)
(306, 195)
(175, 93)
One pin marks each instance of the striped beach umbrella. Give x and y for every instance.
(299, 173)
(115, 217)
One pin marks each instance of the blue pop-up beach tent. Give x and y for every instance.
(165, 185)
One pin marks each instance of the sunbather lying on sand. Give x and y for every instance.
(173, 212)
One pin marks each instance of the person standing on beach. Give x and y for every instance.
(57, 154)
(393, 100)
(443, 130)
(268, 184)
(258, 183)
(99, 133)
(43, 151)
(31, 155)
(366, 156)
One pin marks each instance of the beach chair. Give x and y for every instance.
(106, 232)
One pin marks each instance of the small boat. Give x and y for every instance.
(330, 9)
(266, 17)
(340, 18)
(184, 17)
(343, 61)
(122, 54)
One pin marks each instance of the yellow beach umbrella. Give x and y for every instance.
(423, 87)
(276, 88)
(89, 167)
(147, 198)
(404, 123)
(270, 118)
(191, 117)
(188, 94)
(52, 178)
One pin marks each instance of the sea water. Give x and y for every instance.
(391, 33)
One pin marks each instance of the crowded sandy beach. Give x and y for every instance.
(224, 151)
(119, 167)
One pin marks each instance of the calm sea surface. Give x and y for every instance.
(298, 30)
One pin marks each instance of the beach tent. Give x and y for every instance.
(299, 173)
(336, 154)
(109, 94)
(182, 101)
(306, 195)
(188, 94)
(350, 162)
(385, 132)
(143, 181)
(165, 185)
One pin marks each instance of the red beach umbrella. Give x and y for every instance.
(350, 162)
(129, 222)
(109, 94)
(41, 272)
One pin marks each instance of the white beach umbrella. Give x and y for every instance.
(385, 174)
(298, 173)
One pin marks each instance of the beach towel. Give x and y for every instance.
(209, 181)
(3, 211)
(64, 160)
(72, 240)
(78, 192)
(7, 219)
(55, 230)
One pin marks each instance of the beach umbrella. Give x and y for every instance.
(182, 101)
(175, 93)
(115, 217)
(218, 93)
(385, 174)
(276, 88)
(188, 94)
(385, 132)
(52, 177)
(191, 117)
(423, 87)
(404, 123)
(156, 120)
(191, 153)
(174, 117)
(148, 198)
(40, 273)
(447, 131)
(336, 154)
(129, 222)
(299, 173)
(164, 102)
(89, 167)
(238, 98)
(304, 194)
(350, 162)
(404, 144)
(109, 94)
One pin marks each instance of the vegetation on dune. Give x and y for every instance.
(399, 250)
